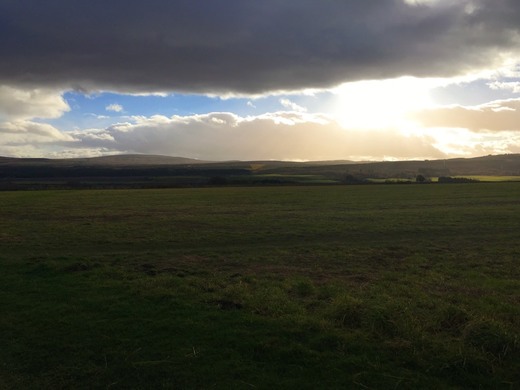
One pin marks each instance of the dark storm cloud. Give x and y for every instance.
(245, 46)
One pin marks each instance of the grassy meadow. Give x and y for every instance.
(362, 287)
(492, 178)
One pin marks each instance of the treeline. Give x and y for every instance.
(448, 179)
(25, 172)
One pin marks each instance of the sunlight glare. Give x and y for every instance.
(381, 104)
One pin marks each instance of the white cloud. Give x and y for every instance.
(23, 138)
(226, 136)
(458, 142)
(286, 103)
(281, 135)
(19, 104)
(114, 107)
(30, 132)
(100, 117)
(513, 86)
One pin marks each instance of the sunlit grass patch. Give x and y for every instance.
(491, 178)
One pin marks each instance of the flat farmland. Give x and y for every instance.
(370, 287)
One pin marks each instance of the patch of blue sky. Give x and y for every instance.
(93, 111)
(471, 94)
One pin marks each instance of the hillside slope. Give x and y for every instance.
(145, 171)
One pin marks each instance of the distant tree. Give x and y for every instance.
(420, 179)
(218, 181)
(351, 179)
(448, 179)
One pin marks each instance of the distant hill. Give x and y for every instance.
(146, 171)
(501, 165)
(113, 160)
(140, 159)
(507, 164)
(494, 164)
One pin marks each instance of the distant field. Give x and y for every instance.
(282, 179)
(435, 179)
(369, 287)
(492, 178)
(390, 180)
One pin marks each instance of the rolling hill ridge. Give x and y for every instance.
(143, 171)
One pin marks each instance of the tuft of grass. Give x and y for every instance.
(490, 337)
(346, 311)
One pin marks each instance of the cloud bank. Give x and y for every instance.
(226, 136)
(218, 136)
(247, 47)
(16, 103)
(284, 135)
(497, 116)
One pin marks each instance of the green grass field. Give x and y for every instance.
(362, 287)
(492, 178)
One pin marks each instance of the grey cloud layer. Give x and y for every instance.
(245, 46)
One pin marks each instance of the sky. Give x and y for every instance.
(260, 80)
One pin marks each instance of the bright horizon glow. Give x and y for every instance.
(365, 120)
(390, 119)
